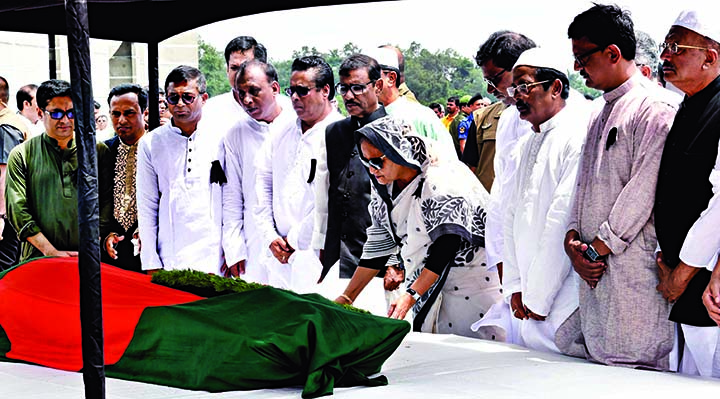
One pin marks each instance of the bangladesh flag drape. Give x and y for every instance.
(264, 338)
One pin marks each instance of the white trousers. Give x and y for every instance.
(699, 350)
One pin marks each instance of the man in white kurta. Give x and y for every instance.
(510, 129)
(179, 208)
(223, 109)
(286, 168)
(496, 57)
(538, 279)
(242, 241)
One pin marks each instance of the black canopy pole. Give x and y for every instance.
(88, 204)
(153, 92)
(52, 63)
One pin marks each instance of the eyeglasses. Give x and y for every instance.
(674, 48)
(300, 90)
(523, 89)
(583, 58)
(174, 98)
(376, 162)
(491, 81)
(356, 89)
(58, 114)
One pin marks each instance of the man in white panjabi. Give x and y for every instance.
(256, 89)
(179, 208)
(496, 57)
(222, 108)
(286, 167)
(538, 280)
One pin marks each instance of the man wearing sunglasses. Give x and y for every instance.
(686, 209)
(257, 91)
(622, 319)
(179, 198)
(42, 180)
(494, 133)
(343, 182)
(286, 166)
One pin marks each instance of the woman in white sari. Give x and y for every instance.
(430, 213)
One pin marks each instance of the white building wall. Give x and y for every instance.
(25, 60)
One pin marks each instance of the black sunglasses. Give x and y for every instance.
(174, 98)
(58, 114)
(376, 162)
(300, 90)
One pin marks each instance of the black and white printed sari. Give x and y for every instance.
(444, 198)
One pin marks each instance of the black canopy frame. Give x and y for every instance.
(140, 21)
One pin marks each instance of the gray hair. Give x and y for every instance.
(646, 52)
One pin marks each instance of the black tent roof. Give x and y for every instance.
(142, 21)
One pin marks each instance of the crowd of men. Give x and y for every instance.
(601, 220)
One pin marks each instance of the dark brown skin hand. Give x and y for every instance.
(281, 250)
(589, 271)
(517, 306)
(673, 282)
(711, 296)
(393, 278)
(233, 271)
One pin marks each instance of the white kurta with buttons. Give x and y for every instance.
(536, 221)
(179, 210)
(241, 237)
(286, 167)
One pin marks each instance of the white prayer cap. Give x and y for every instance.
(387, 58)
(704, 24)
(538, 57)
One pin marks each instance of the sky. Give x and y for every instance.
(436, 25)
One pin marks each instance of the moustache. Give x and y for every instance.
(668, 65)
(351, 102)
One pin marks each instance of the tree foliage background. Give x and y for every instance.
(212, 64)
(432, 76)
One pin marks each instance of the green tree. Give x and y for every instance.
(578, 83)
(333, 57)
(434, 77)
(212, 64)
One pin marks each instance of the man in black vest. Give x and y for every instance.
(127, 103)
(686, 220)
(343, 183)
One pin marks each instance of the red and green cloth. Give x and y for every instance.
(264, 338)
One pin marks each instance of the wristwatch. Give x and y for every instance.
(592, 254)
(413, 294)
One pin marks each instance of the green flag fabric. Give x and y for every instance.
(261, 338)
